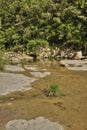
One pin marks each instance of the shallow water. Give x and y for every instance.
(70, 110)
(15, 79)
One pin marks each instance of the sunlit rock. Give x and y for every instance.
(14, 68)
(14, 82)
(40, 74)
(32, 68)
(39, 123)
(75, 64)
(79, 55)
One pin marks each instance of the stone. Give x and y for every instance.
(79, 55)
(62, 63)
(80, 65)
(14, 82)
(17, 125)
(40, 123)
(82, 68)
(62, 53)
(14, 68)
(15, 60)
(18, 57)
(73, 62)
(32, 68)
(40, 74)
(25, 57)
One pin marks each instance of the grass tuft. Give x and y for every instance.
(53, 90)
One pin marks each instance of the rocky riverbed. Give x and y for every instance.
(21, 107)
(11, 80)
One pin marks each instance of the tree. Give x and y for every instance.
(59, 22)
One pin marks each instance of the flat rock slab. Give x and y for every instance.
(39, 123)
(40, 74)
(14, 82)
(14, 68)
(82, 68)
(32, 68)
(75, 64)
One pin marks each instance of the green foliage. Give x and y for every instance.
(35, 45)
(17, 48)
(55, 21)
(1, 60)
(53, 90)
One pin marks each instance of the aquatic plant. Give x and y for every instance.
(53, 90)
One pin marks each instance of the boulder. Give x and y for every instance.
(63, 63)
(78, 55)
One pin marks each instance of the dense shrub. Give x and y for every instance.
(35, 45)
(60, 22)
